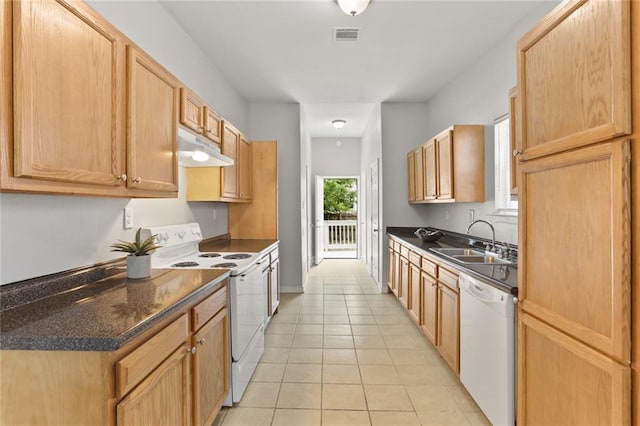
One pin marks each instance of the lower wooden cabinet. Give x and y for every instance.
(210, 368)
(448, 326)
(429, 306)
(566, 381)
(163, 398)
(431, 295)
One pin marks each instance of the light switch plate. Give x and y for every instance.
(128, 217)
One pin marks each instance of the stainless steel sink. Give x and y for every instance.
(463, 255)
(479, 259)
(458, 252)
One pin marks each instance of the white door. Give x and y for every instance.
(319, 219)
(362, 218)
(375, 220)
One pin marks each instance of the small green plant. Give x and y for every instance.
(137, 247)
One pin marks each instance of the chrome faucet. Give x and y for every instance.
(493, 232)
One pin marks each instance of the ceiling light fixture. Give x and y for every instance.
(338, 124)
(353, 7)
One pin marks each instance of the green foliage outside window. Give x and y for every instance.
(339, 198)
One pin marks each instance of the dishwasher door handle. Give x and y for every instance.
(481, 291)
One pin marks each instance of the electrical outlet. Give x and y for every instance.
(128, 217)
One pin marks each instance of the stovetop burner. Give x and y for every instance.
(210, 255)
(224, 265)
(184, 264)
(237, 256)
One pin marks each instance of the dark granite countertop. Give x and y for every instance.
(232, 245)
(501, 276)
(96, 308)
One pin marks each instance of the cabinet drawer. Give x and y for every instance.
(210, 306)
(448, 278)
(133, 368)
(415, 258)
(404, 251)
(429, 267)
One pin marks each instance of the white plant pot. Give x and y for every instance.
(138, 267)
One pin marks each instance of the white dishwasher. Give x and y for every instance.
(487, 347)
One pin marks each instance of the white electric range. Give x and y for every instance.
(247, 294)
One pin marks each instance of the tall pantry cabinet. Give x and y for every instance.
(576, 138)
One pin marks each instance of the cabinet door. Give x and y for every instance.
(411, 176)
(191, 110)
(210, 368)
(245, 166)
(430, 171)
(414, 299)
(68, 111)
(152, 118)
(403, 287)
(212, 125)
(163, 398)
(396, 274)
(418, 157)
(391, 268)
(575, 233)
(562, 382)
(574, 77)
(429, 306)
(445, 166)
(230, 140)
(449, 326)
(274, 287)
(514, 140)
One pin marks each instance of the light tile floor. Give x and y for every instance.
(344, 354)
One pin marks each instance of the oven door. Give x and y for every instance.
(248, 299)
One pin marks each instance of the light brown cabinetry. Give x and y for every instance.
(152, 112)
(514, 140)
(430, 293)
(258, 219)
(84, 111)
(196, 115)
(411, 176)
(210, 368)
(448, 323)
(232, 184)
(574, 80)
(390, 269)
(175, 373)
(452, 166)
(574, 77)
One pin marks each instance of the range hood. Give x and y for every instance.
(197, 151)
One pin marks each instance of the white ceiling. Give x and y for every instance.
(283, 51)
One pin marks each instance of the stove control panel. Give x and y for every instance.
(174, 235)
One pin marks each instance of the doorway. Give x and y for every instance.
(336, 217)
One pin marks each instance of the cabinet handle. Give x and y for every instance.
(517, 152)
(201, 341)
(137, 180)
(192, 350)
(122, 177)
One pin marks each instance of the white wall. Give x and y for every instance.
(44, 234)
(306, 185)
(281, 122)
(477, 96)
(330, 159)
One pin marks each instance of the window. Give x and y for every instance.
(505, 203)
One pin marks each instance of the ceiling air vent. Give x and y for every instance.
(346, 34)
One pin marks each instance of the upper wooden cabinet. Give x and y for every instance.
(152, 117)
(84, 111)
(245, 169)
(452, 166)
(68, 113)
(198, 116)
(411, 176)
(574, 77)
(230, 183)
